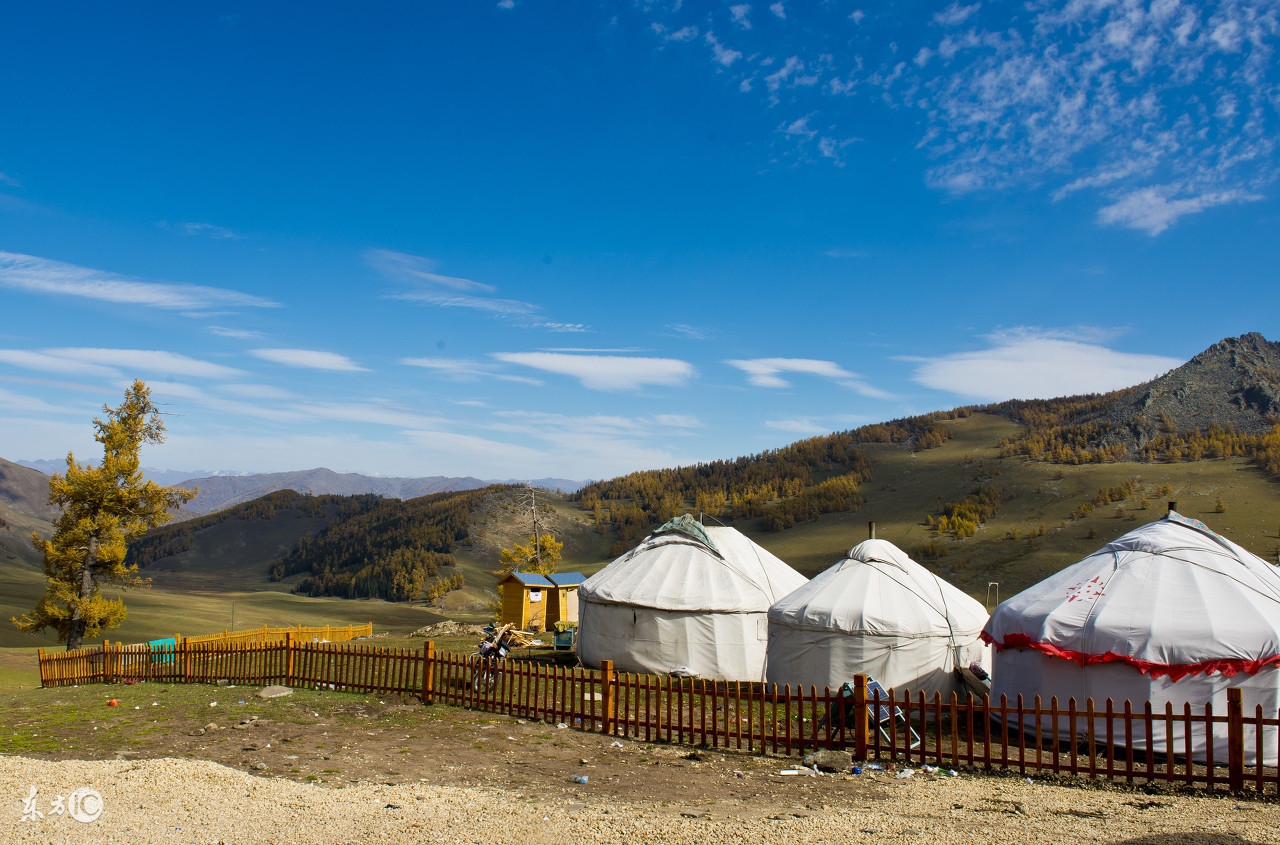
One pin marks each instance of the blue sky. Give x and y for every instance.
(523, 239)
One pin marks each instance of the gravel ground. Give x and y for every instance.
(187, 801)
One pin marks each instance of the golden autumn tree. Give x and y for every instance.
(540, 556)
(103, 508)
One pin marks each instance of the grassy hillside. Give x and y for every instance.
(906, 486)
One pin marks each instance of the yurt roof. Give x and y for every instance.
(1170, 598)
(877, 589)
(675, 570)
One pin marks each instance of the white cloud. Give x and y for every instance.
(690, 332)
(803, 426)
(506, 4)
(40, 275)
(412, 268)
(768, 372)
(465, 369)
(46, 363)
(686, 33)
(722, 54)
(18, 402)
(778, 10)
(955, 14)
(791, 67)
(240, 334)
(431, 288)
(309, 359)
(209, 230)
(798, 127)
(1034, 364)
(605, 372)
(115, 363)
(741, 14)
(1152, 210)
(857, 15)
(678, 420)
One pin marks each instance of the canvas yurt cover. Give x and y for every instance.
(1170, 612)
(878, 613)
(688, 598)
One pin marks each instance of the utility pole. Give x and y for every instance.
(537, 537)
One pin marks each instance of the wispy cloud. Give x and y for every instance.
(803, 426)
(684, 33)
(465, 369)
(208, 230)
(768, 372)
(690, 332)
(605, 372)
(955, 14)
(1153, 210)
(724, 56)
(240, 334)
(40, 275)
(779, 11)
(309, 359)
(6, 179)
(1032, 363)
(428, 287)
(115, 363)
(1155, 111)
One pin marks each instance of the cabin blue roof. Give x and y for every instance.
(567, 579)
(530, 579)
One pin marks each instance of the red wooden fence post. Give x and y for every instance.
(607, 703)
(428, 671)
(1235, 739)
(860, 717)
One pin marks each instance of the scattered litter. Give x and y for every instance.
(906, 773)
(213, 704)
(155, 704)
(928, 770)
(616, 744)
(113, 703)
(857, 770)
(799, 771)
(262, 767)
(738, 773)
(1028, 780)
(562, 726)
(137, 707)
(241, 701)
(512, 738)
(579, 778)
(874, 767)
(953, 773)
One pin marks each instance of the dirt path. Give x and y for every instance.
(322, 767)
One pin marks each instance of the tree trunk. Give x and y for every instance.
(75, 635)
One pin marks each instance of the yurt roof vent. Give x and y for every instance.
(690, 527)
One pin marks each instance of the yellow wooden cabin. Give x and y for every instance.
(537, 602)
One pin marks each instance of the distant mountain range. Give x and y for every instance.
(222, 490)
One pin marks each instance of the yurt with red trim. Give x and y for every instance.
(1170, 612)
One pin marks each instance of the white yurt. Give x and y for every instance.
(877, 613)
(689, 599)
(1170, 612)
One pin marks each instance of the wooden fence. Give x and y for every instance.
(263, 635)
(1132, 743)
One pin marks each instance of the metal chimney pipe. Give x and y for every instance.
(871, 530)
(1173, 507)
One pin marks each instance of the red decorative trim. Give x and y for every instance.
(1228, 668)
